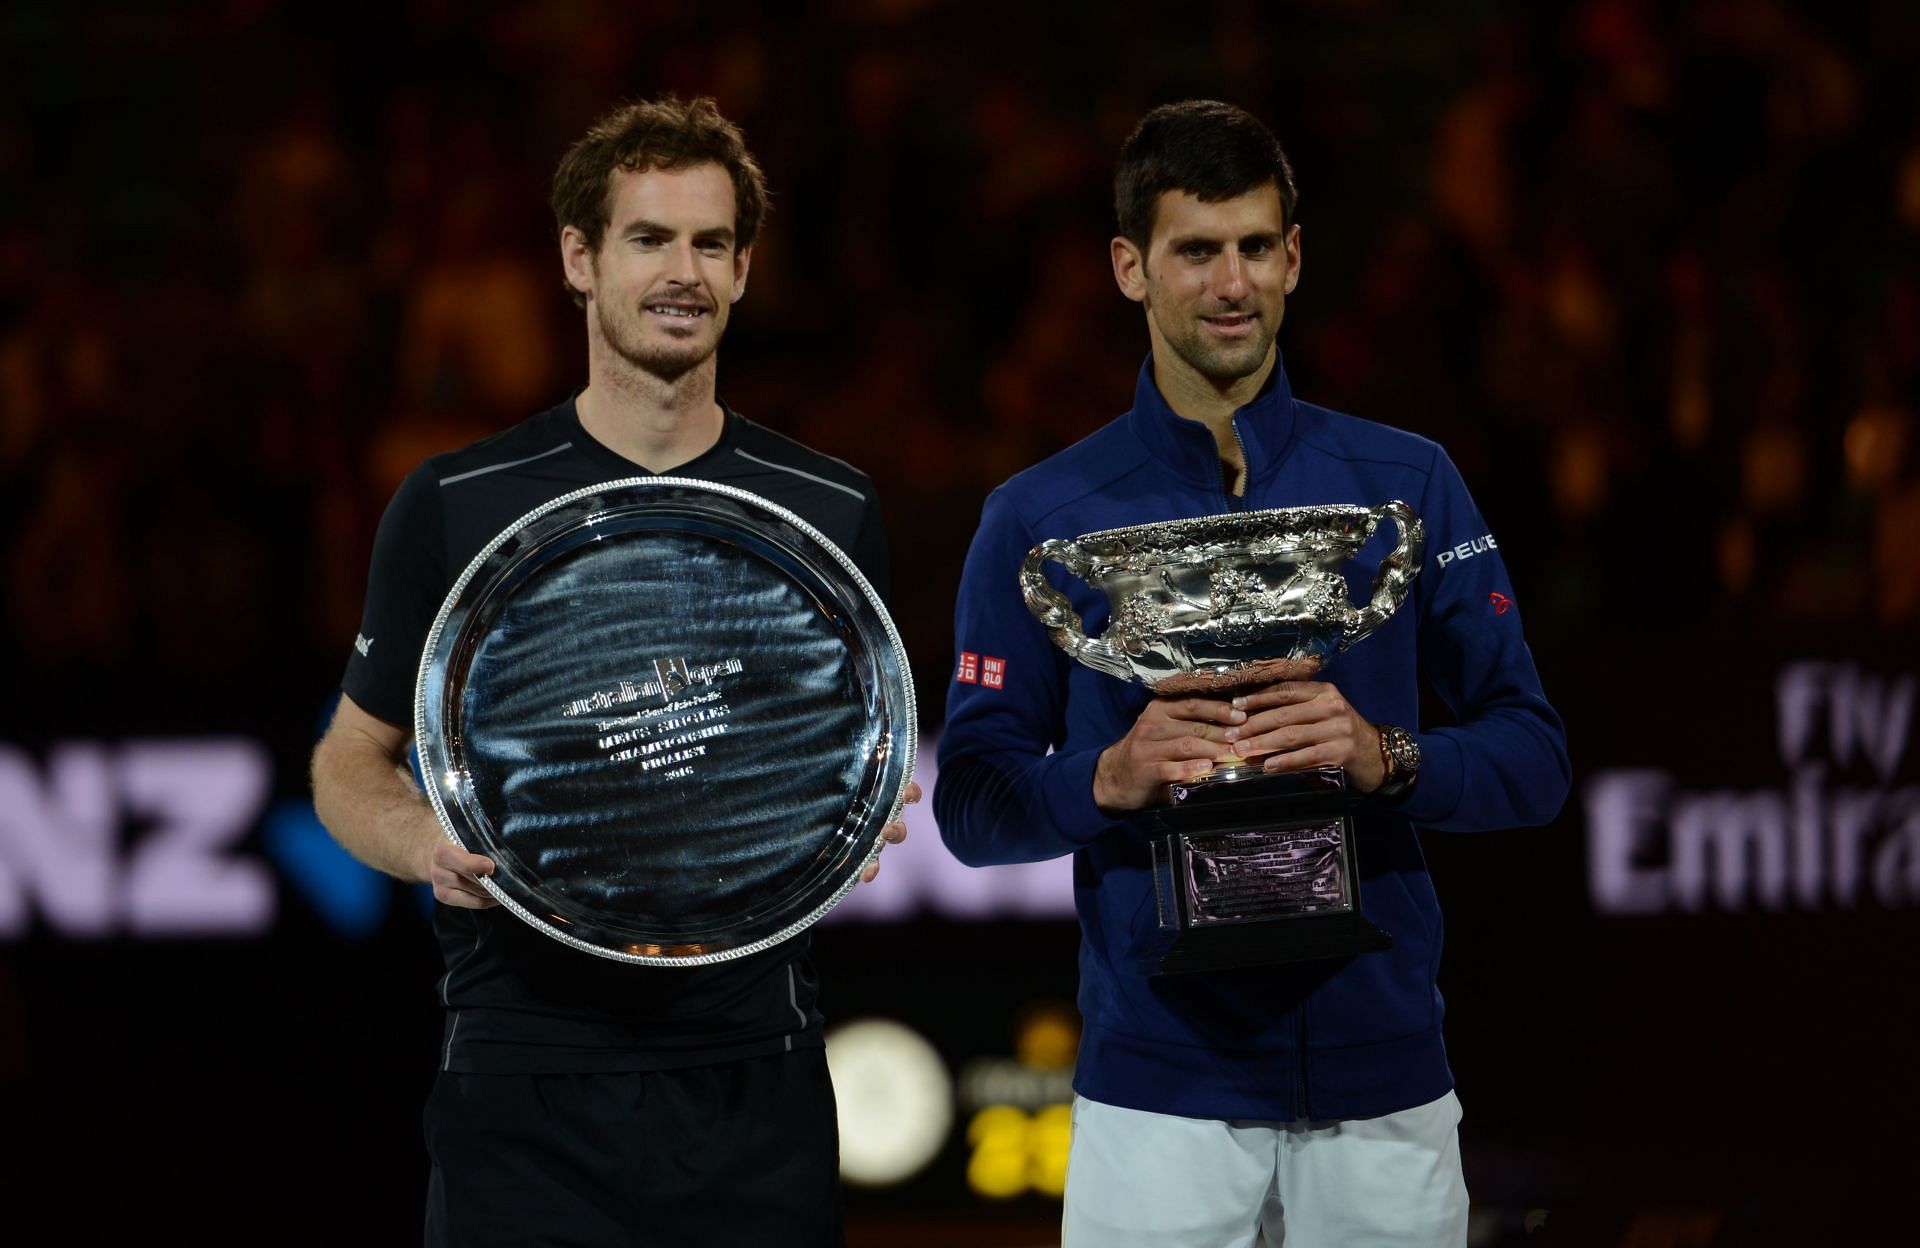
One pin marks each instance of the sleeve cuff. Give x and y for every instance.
(1067, 791)
(1436, 794)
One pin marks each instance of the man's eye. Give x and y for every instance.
(1196, 251)
(1256, 249)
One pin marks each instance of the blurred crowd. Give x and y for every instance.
(1647, 270)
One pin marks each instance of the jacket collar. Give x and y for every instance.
(1265, 425)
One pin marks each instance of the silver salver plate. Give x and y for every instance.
(673, 714)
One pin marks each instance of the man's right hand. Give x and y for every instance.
(365, 794)
(1174, 739)
(455, 875)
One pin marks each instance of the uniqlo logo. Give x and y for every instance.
(969, 673)
(993, 672)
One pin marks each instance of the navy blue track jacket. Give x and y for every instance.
(1350, 1038)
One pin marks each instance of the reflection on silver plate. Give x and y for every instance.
(674, 715)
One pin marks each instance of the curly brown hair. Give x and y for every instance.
(667, 133)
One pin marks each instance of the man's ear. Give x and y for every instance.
(742, 260)
(1293, 258)
(576, 260)
(1129, 269)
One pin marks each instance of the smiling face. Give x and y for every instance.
(668, 270)
(1214, 281)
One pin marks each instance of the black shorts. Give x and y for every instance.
(705, 1156)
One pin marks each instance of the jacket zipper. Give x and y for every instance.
(1246, 470)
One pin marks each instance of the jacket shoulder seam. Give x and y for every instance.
(1034, 519)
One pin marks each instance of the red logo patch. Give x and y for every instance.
(1501, 603)
(969, 673)
(993, 672)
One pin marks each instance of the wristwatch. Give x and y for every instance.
(1400, 755)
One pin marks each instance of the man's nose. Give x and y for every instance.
(681, 267)
(1230, 275)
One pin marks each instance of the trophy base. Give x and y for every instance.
(1274, 942)
(1255, 872)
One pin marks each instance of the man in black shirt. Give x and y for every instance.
(582, 1100)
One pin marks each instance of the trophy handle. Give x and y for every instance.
(1052, 608)
(1397, 570)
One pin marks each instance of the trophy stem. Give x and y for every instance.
(1227, 769)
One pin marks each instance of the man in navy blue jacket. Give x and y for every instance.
(1310, 1100)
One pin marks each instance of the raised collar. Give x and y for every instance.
(1265, 425)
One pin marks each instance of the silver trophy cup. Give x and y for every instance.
(1249, 868)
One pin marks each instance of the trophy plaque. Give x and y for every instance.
(674, 715)
(1248, 868)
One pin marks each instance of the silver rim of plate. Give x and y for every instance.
(824, 673)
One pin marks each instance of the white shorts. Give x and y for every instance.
(1137, 1179)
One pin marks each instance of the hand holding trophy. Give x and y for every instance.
(1250, 867)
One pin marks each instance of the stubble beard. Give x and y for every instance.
(1224, 364)
(668, 362)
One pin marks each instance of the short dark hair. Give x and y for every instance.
(667, 133)
(1211, 150)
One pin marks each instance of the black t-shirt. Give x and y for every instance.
(519, 1001)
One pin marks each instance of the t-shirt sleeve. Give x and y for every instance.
(405, 586)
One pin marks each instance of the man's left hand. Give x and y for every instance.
(892, 834)
(1302, 724)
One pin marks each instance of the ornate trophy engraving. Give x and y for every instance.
(1248, 868)
(673, 713)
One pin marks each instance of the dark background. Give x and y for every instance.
(1647, 270)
